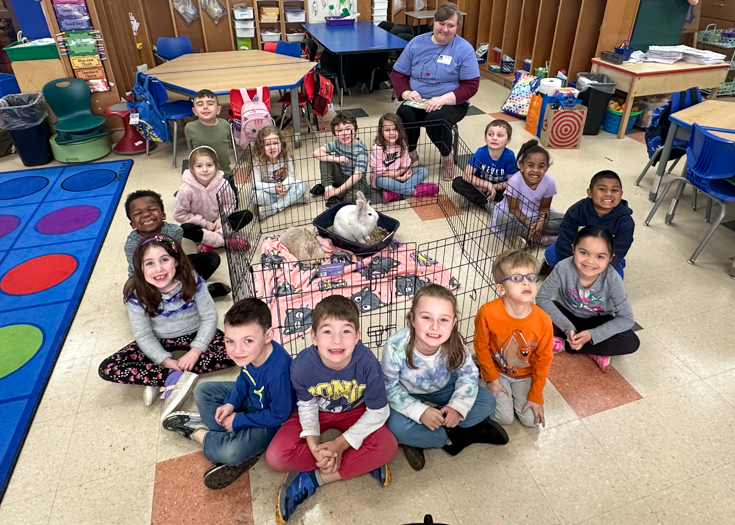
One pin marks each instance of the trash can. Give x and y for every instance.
(595, 90)
(24, 116)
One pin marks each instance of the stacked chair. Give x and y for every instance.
(80, 136)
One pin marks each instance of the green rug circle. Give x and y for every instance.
(18, 344)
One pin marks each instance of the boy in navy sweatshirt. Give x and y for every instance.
(339, 384)
(237, 420)
(604, 207)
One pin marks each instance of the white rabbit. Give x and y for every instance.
(356, 222)
(301, 241)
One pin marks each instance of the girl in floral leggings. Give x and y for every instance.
(170, 309)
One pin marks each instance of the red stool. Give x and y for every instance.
(131, 143)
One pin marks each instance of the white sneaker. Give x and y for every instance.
(176, 393)
(150, 394)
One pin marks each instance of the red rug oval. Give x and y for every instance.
(38, 274)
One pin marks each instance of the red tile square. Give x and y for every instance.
(434, 211)
(179, 495)
(586, 388)
(504, 116)
(638, 135)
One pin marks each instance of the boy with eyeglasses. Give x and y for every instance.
(513, 341)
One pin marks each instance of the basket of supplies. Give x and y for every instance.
(242, 12)
(294, 35)
(339, 21)
(710, 34)
(295, 15)
(614, 115)
(507, 65)
(270, 35)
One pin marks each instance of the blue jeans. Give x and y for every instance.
(408, 432)
(418, 175)
(220, 446)
(552, 260)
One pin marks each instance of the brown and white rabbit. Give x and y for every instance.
(301, 241)
(355, 222)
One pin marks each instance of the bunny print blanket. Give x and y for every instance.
(292, 288)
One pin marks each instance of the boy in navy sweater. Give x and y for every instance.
(237, 421)
(604, 207)
(339, 384)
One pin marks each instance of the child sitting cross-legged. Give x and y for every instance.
(513, 341)
(485, 178)
(390, 164)
(237, 421)
(339, 385)
(592, 312)
(170, 310)
(429, 362)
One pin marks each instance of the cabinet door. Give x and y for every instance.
(722, 9)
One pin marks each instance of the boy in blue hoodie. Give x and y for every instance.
(237, 420)
(604, 207)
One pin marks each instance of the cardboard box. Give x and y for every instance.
(562, 128)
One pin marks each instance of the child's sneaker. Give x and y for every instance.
(487, 431)
(426, 189)
(333, 201)
(238, 244)
(240, 219)
(150, 394)
(389, 196)
(203, 248)
(297, 487)
(448, 168)
(317, 189)
(415, 457)
(176, 388)
(184, 423)
(490, 206)
(382, 474)
(219, 475)
(557, 344)
(414, 155)
(603, 361)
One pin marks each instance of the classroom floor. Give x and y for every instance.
(652, 442)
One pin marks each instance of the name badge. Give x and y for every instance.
(445, 59)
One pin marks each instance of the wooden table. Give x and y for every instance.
(429, 15)
(226, 70)
(708, 113)
(650, 78)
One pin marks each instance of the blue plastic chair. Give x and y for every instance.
(292, 49)
(710, 169)
(168, 48)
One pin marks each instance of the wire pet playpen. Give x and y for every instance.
(459, 257)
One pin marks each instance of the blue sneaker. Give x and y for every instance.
(295, 490)
(382, 474)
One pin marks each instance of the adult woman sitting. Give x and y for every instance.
(439, 68)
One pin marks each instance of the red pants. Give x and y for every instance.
(290, 453)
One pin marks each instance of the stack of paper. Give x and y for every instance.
(671, 54)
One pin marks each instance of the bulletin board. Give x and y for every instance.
(659, 23)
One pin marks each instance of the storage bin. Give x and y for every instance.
(380, 5)
(506, 66)
(298, 36)
(244, 33)
(270, 37)
(339, 21)
(295, 15)
(243, 24)
(611, 122)
(242, 12)
(19, 51)
(8, 85)
(244, 44)
(325, 220)
(380, 12)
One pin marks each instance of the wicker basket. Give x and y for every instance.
(612, 119)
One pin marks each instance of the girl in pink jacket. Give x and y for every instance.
(196, 207)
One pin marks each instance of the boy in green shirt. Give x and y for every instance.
(209, 130)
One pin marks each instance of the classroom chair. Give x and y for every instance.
(168, 48)
(304, 99)
(656, 138)
(328, 73)
(292, 49)
(270, 47)
(710, 167)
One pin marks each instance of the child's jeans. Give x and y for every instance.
(289, 453)
(130, 366)
(552, 260)
(276, 203)
(407, 187)
(473, 194)
(506, 221)
(408, 432)
(507, 405)
(221, 446)
(332, 175)
(619, 344)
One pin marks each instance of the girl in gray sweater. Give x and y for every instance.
(592, 312)
(170, 310)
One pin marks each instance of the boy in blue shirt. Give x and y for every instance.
(339, 384)
(237, 421)
(604, 207)
(485, 178)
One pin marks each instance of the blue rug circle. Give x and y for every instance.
(22, 187)
(89, 180)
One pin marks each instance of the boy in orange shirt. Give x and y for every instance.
(513, 341)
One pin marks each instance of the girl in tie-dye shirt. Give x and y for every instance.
(428, 361)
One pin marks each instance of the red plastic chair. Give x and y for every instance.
(270, 47)
(304, 99)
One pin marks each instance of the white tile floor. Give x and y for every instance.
(668, 458)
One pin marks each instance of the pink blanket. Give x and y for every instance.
(292, 288)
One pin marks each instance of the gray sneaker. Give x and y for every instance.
(219, 475)
(184, 423)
